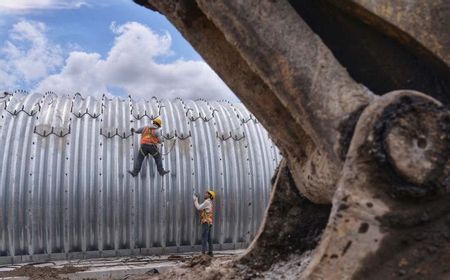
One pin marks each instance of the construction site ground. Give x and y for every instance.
(175, 266)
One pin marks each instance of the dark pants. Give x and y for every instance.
(143, 152)
(206, 237)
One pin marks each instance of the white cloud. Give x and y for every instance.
(132, 65)
(27, 55)
(7, 80)
(27, 5)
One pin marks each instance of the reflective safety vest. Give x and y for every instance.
(207, 217)
(149, 137)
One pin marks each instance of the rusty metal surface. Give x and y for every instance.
(65, 190)
(424, 21)
(382, 161)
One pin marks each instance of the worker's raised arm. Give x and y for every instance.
(206, 204)
(139, 130)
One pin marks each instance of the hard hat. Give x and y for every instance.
(158, 121)
(212, 193)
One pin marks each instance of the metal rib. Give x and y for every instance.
(65, 192)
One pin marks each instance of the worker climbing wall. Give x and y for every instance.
(65, 191)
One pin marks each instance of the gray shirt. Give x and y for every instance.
(206, 205)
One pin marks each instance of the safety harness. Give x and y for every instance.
(149, 138)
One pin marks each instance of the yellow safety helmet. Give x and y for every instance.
(158, 121)
(212, 194)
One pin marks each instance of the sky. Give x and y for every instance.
(97, 47)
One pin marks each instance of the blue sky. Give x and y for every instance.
(95, 47)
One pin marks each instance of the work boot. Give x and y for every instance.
(210, 254)
(164, 172)
(132, 173)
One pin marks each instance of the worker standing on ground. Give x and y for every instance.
(150, 138)
(206, 218)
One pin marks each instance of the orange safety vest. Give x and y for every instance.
(149, 137)
(207, 217)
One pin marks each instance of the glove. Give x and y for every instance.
(195, 197)
(132, 130)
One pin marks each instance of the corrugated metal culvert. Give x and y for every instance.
(65, 191)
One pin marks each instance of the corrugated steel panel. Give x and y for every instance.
(64, 188)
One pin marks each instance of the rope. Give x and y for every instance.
(171, 148)
(165, 154)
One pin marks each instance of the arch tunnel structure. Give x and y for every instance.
(65, 191)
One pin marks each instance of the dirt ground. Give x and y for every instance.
(199, 267)
(227, 268)
(35, 272)
(183, 266)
